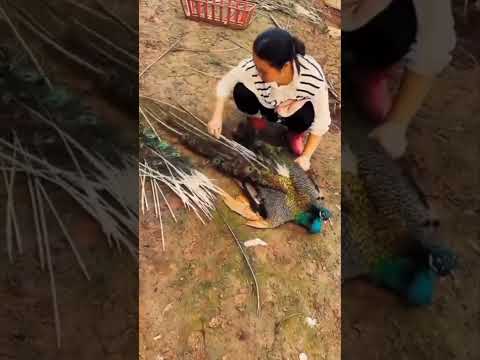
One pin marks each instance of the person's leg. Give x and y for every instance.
(375, 61)
(297, 124)
(248, 103)
(373, 93)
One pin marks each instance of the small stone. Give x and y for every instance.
(311, 322)
(303, 356)
(214, 323)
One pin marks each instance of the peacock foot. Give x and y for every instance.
(241, 206)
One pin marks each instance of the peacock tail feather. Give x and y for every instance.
(167, 170)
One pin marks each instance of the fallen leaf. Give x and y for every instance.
(303, 356)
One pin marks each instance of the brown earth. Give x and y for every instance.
(196, 299)
(98, 317)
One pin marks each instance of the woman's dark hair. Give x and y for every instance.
(278, 47)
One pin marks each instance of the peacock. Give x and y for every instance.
(388, 232)
(277, 189)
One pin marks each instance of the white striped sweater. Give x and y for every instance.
(308, 84)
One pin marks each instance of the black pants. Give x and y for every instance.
(385, 39)
(248, 103)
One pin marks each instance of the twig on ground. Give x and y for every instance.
(204, 73)
(332, 91)
(162, 55)
(277, 24)
(236, 43)
(207, 51)
(245, 256)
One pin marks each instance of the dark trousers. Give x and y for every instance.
(248, 103)
(385, 39)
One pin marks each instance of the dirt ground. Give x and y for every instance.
(197, 299)
(444, 148)
(98, 318)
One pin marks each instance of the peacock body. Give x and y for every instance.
(283, 190)
(279, 190)
(388, 232)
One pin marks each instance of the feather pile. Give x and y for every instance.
(163, 168)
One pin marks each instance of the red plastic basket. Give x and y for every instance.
(237, 14)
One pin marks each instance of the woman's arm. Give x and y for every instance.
(413, 90)
(319, 127)
(224, 90)
(216, 123)
(312, 144)
(426, 59)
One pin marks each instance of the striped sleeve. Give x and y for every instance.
(227, 83)
(322, 120)
(313, 85)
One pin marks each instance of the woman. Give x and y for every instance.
(281, 84)
(377, 35)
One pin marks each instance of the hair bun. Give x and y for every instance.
(299, 45)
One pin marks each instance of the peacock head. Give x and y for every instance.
(442, 261)
(318, 198)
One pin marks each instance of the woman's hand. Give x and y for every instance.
(393, 133)
(393, 137)
(312, 144)
(304, 161)
(215, 124)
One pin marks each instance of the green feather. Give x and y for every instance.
(304, 218)
(394, 274)
(420, 291)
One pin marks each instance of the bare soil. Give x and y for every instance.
(196, 298)
(98, 317)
